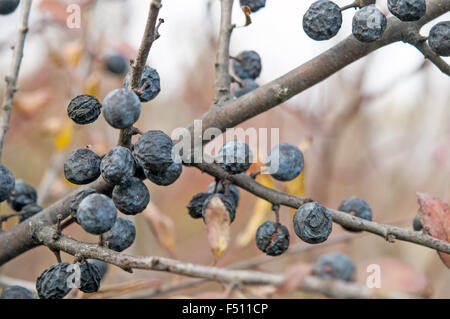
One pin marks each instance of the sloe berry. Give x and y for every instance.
(22, 195)
(82, 166)
(153, 151)
(131, 196)
(76, 200)
(417, 225)
(117, 165)
(272, 238)
(312, 223)
(235, 157)
(101, 266)
(357, 207)
(368, 24)
(6, 183)
(439, 38)
(233, 191)
(254, 5)
(285, 162)
(53, 283)
(8, 6)
(29, 210)
(250, 85)
(90, 277)
(16, 292)
(150, 84)
(407, 10)
(121, 108)
(96, 214)
(116, 64)
(195, 206)
(84, 109)
(335, 266)
(166, 177)
(121, 236)
(322, 20)
(247, 65)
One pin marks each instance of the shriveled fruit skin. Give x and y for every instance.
(150, 82)
(439, 38)
(407, 10)
(153, 151)
(195, 206)
(23, 195)
(121, 236)
(117, 165)
(84, 109)
(82, 166)
(335, 266)
(235, 157)
(96, 214)
(322, 20)
(16, 292)
(368, 24)
(101, 266)
(233, 191)
(131, 196)
(166, 177)
(7, 183)
(312, 223)
(90, 278)
(272, 238)
(53, 282)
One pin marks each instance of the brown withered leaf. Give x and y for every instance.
(295, 276)
(435, 218)
(247, 12)
(162, 226)
(217, 221)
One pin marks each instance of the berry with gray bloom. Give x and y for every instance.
(417, 225)
(235, 157)
(439, 38)
(116, 64)
(96, 214)
(6, 183)
(150, 85)
(368, 24)
(247, 65)
(166, 177)
(322, 20)
(121, 236)
(84, 109)
(101, 266)
(233, 191)
(121, 108)
(227, 202)
(195, 206)
(285, 162)
(312, 223)
(53, 283)
(357, 207)
(16, 292)
(272, 238)
(76, 200)
(254, 5)
(335, 266)
(131, 196)
(82, 166)
(117, 165)
(249, 85)
(153, 151)
(407, 10)
(8, 6)
(90, 278)
(28, 211)
(22, 195)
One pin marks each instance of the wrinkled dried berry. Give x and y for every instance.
(195, 206)
(22, 195)
(166, 177)
(285, 162)
(101, 266)
(16, 292)
(235, 157)
(417, 225)
(96, 214)
(254, 5)
(56, 282)
(121, 236)
(233, 191)
(76, 200)
(407, 10)
(439, 38)
(84, 109)
(116, 64)
(368, 24)
(90, 278)
(335, 266)
(272, 238)
(322, 20)
(150, 84)
(28, 211)
(312, 223)
(82, 166)
(247, 65)
(227, 202)
(8, 6)
(131, 196)
(357, 207)
(6, 183)
(249, 85)
(121, 108)
(117, 165)
(153, 151)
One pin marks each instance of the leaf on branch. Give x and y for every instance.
(247, 12)
(435, 218)
(162, 226)
(217, 221)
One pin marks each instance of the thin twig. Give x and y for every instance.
(421, 44)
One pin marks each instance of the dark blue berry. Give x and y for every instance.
(116, 64)
(8, 6)
(285, 162)
(439, 38)
(131, 196)
(101, 266)
(16, 292)
(6, 183)
(153, 151)
(368, 24)
(55, 282)
(249, 85)
(166, 177)
(195, 206)
(28, 211)
(247, 65)
(254, 5)
(121, 236)
(90, 277)
(235, 157)
(96, 214)
(272, 238)
(335, 266)
(357, 207)
(322, 20)
(22, 195)
(84, 109)
(233, 191)
(117, 165)
(82, 166)
(417, 225)
(76, 200)
(407, 10)
(150, 84)
(121, 108)
(312, 223)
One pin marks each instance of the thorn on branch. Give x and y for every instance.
(57, 233)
